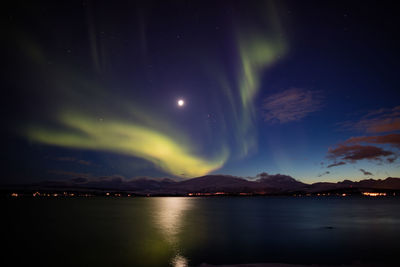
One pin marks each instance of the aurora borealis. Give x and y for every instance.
(306, 90)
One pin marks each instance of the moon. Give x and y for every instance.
(181, 102)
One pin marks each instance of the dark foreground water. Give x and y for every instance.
(182, 231)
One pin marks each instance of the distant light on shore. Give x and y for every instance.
(373, 194)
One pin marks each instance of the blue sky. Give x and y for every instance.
(269, 86)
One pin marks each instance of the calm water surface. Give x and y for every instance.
(179, 231)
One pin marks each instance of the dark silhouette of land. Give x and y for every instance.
(208, 185)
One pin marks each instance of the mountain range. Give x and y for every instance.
(264, 184)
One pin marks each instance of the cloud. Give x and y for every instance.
(290, 105)
(391, 139)
(365, 172)
(377, 121)
(265, 175)
(325, 173)
(353, 153)
(72, 159)
(359, 148)
(71, 174)
(335, 164)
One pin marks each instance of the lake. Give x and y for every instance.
(181, 231)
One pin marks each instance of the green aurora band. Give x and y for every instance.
(137, 131)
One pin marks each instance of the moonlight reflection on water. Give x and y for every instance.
(168, 218)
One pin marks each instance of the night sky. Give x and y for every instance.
(303, 88)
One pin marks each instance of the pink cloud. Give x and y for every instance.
(335, 164)
(377, 121)
(290, 105)
(391, 139)
(354, 149)
(354, 153)
(365, 172)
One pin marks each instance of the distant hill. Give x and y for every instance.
(213, 183)
(280, 182)
(386, 184)
(265, 184)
